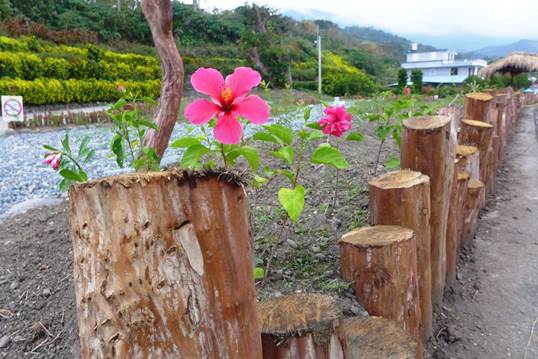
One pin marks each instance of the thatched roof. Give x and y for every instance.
(515, 63)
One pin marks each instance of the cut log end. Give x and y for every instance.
(479, 96)
(427, 122)
(375, 338)
(399, 179)
(476, 123)
(377, 236)
(465, 151)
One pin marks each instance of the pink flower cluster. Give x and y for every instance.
(53, 159)
(229, 98)
(336, 121)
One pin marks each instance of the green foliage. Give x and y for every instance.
(521, 81)
(416, 79)
(402, 79)
(292, 200)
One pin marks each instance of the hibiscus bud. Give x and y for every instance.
(121, 88)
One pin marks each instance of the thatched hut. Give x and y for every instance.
(513, 64)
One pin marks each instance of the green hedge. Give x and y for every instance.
(47, 91)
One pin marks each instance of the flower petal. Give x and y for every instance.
(201, 111)
(253, 108)
(208, 81)
(243, 80)
(228, 130)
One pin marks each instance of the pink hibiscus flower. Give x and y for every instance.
(229, 99)
(336, 121)
(53, 159)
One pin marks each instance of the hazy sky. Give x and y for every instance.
(492, 18)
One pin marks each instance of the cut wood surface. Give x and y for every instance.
(375, 338)
(469, 160)
(473, 201)
(163, 268)
(477, 106)
(300, 326)
(403, 198)
(381, 264)
(429, 146)
(479, 134)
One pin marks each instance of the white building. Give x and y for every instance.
(441, 67)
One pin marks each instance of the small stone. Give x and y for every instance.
(291, 243)
(320, 256)
(355, 309)
(316, 249)
(14, 285)
(4, 341)
(18, 339)
(46, 292)
(459, 276)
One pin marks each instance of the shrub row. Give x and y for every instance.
(48, 91)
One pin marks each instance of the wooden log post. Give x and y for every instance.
(469, 160)
(381, 264)
(403, 198)
(473, 200)
(300, 326)
(375, 338)
(477, 106)
(455, 223)
(429, 146)
(162, 267)
(478, 134)
(500, 100)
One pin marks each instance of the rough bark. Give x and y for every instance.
(477, 106)
(158, 14)
(455, 223)
(381, 264)
(403, 198)
(469, 160)
(473, 200)
(300, 326)
(478, 134)
(429, 146)
(162, 267)
(375, 338)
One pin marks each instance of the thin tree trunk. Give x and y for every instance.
(158, 13)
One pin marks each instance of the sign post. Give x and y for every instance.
(12, 109)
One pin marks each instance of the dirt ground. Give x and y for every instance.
(488, 316)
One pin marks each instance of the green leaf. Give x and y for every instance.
(119, 104)
(117, 149)
(288, 174)
(71, 175)
(146, 123)
(260, 179)
(83, 145)
(303, 133)
(284, 153)
(268, 171)
(292, 200)
(64, 184)
(259, 273)
(149, 100)
(251, 154)
(282, 133)
(327, 155)
(306, 113)
(65, 144)
(382, 132)
(50, 148)
(355, 136)
(314, 125)
(266, 137)
(316, 135)
(185, 142)
(89, 155)
(83, 176)
(193, 154)
(392, 163)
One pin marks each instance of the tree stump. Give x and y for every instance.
(479, 134)
(381, 264)
(300, 326)
(375, 338)
(429, 146)
(469, 160)
(477, 106)
(473, 201)
(403, 198)
(455, 223)
(162, 267)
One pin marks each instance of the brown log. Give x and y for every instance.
(162, 267)
(478, 134)
(381, 264)
(469, 160)
(300, 326)
(455, 223)
(158, 14)
(375, 338)
(403, 198)
(477, 106)
(429, 146)
(473, 199)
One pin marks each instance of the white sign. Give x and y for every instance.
(12, 108)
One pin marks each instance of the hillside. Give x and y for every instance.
(503, 50)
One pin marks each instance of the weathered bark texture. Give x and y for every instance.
(477, 106)
(162, 267)
(500, 100)
(381, 264)
(473, 200)
(469, 160)
(429, 146)
(158, 14)
(300, 326)
(375, 338)
(403, 198)
(478, 134)
(455, 223)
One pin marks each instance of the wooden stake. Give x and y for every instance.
(403, 198)
(300, 326)
(381, 264)
(478, 134)
(477, 106)
(473, 200)
(375, 338)
(469, 160)
(162, 267)
(429, 146)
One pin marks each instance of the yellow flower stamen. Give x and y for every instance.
(226, 94)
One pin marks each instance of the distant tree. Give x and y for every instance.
(416, 79)
(402, 79)
(521, 81)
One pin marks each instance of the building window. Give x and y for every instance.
(453, 71)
